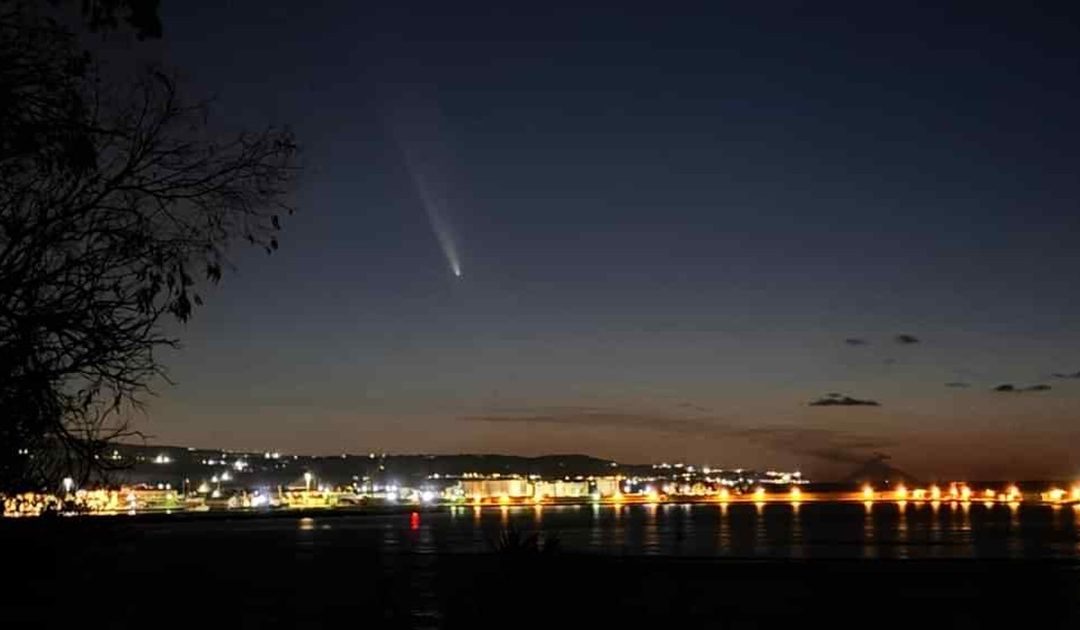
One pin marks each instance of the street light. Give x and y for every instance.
(69, 483)
(307, 480)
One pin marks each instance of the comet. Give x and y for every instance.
(435, 207)
(416, 129)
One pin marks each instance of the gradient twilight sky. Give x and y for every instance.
(668, 224)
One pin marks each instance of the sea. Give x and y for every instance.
(829, 530)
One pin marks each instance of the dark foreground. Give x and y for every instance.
(108, 573)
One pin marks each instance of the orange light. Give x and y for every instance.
(653, 496)
(504, 500)
(1055, 495)
(901, 492)
(988, 493)
(1013, 493)
(796, 494)
(867, 493)
(965, 493)
(759, 494)
(724, 495)
(918, 494)
(1075, 495)
(935, 493)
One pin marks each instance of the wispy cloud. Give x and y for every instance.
(597, 417)
(905, 339)
(691, 406)
(819, 443)
(1066, 374)
(1009, 388)
(840, 400)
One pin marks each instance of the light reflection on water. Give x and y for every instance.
(881, 529)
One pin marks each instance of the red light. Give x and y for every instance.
(414, 521)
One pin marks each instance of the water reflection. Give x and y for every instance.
(1015, 547)
(902, 529)
(869, 546)
(760, 540)
(723, 530)
(651, 543)
(795, 534)
(737, 529)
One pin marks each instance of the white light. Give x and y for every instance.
(427, 496)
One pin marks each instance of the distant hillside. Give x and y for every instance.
(174, 464)
(877, 472)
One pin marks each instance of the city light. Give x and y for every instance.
(796, 495)
(901, 493)
(868, 492)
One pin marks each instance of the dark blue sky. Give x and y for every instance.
(668, 224)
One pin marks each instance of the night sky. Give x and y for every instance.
(675, 232)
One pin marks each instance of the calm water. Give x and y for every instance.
(811, 530)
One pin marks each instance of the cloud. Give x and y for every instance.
(906, 340)
(856, 341)
(691, 406)
(1066, 374)
(840, 400)
(596, 417)
(1009, 388)
(819, 443)
(823, 444)
(958, 384)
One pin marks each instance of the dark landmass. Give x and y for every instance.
(878, 473)
(174, 464)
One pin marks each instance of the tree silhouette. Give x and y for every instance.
(115, 201)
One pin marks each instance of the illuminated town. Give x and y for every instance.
(181, 480)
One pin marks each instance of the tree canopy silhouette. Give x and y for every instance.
(116, 203)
